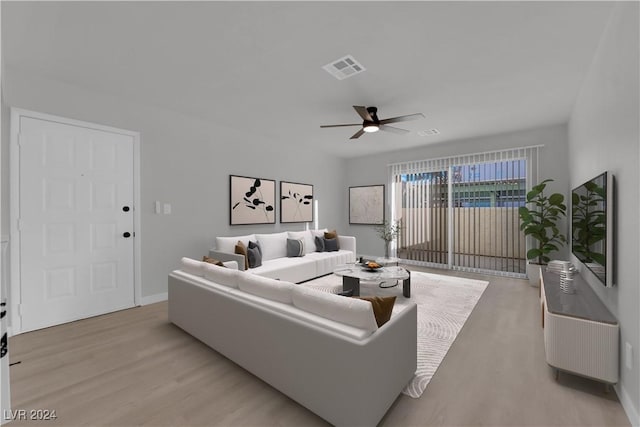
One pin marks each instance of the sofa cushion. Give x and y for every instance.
(273, 245)
(290, 269)
(221, 275)
(241, 249)
(382, 308)
(307, 237)
(295, 248)
(227, 244)
(326, 262)
(192, 266)
(293, 312)
(276, 290)
(351, 311)
(319, 242)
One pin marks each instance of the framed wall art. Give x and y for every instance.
(366, 204)
(252, 200)
(296, 202)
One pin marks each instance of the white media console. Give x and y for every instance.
(581, 336)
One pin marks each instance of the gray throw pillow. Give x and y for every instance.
(254, 245)
(254, 256)
(330, 245)
(295, 248)
(319, 244)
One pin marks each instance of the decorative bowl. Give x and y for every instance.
(371, 266)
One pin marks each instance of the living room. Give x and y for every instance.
(220, 89)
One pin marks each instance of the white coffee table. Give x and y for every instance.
(352, 274)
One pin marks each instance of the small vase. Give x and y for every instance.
(386, 249)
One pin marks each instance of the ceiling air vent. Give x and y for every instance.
(428, 132)
(344, 67)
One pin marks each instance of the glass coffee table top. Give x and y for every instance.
(361, 272)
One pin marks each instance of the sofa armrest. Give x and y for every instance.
(233, 265)
(226, 256)
(348, 243)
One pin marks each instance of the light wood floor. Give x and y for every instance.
(134, 368)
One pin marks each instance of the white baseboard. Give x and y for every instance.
(628, 406)
(152, 299)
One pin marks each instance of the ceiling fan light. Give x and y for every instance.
(371, 128)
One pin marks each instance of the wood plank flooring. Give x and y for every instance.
(134, 368)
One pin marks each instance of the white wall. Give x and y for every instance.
(553, 164)
(186, 162)
(604, 135)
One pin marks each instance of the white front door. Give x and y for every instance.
(75, 222)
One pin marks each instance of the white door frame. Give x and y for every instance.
(14, 205)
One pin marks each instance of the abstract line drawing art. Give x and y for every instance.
(366, 204)
(252, 200)
(296, 202)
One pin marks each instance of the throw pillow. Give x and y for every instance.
(332, 235)
(212, 261)
(319, 244)
(273, 245)
(254, 245)
(382, 308)
(254, 256)
(307, 238)
(241, 249)
(330, 245)
(295, 248)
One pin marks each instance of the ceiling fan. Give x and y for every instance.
(371, 122)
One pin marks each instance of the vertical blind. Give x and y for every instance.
(461, 212)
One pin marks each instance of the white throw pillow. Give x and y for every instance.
(221, 275)
(273, 245)
(228, 244)
(275, 290)
(351, 311)
(306, 237)
(320, 233)
(192, 266)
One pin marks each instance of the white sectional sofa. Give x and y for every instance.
(276, 264)
(322, 350)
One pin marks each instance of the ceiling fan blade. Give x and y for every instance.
(357, 134)
(402, 118)
(338, 126)
(387, 128)
(362, 112)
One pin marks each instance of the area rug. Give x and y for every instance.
(444, 304)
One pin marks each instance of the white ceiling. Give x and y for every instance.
(473, 68)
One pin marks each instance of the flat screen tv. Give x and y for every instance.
(592, 226)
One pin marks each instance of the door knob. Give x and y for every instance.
(125, 208)
(126, 234)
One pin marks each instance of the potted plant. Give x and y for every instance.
(540, 222)
(388, 231)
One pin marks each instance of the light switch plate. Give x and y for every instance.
(167, 208)
(157, 207)
(628, 356)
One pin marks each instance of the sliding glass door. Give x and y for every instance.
(423, 202)
(462, 213)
